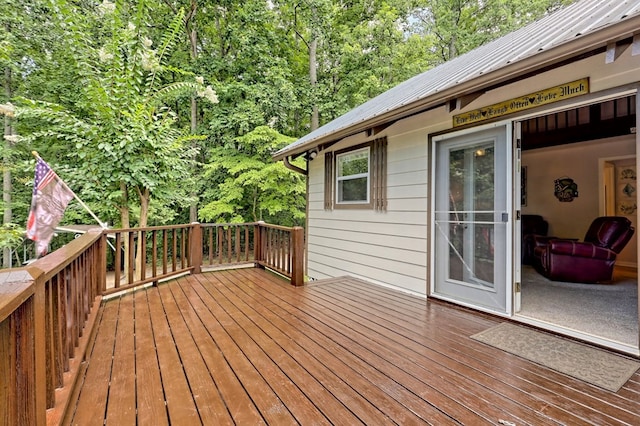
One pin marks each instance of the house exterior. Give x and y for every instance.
(422, 188)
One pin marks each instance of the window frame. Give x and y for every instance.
(377, 177)
(348, 152)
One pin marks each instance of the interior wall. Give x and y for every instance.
(580, 162)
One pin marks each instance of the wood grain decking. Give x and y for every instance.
(244, 347)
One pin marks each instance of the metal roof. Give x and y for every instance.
(570, 31)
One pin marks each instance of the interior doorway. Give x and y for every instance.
(587, 151)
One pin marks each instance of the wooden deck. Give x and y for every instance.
(244, 347)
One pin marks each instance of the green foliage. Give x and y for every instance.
(104, 91)
(455, 27)
(246, 186)
(11, 236)
(121, 129)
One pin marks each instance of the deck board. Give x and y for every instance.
(150, 403)
(93, 395)
(244, 347)
(122, 389)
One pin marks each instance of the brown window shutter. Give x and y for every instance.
(379, 174)
(328, 180)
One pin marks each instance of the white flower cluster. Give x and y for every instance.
(12, 138)
(104, 56)
(209, 94)
(7, 109)
(106, 7)
(150, 61)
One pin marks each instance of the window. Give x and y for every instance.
(356, 178)
(352, 177)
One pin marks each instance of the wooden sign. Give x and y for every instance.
(547, 96)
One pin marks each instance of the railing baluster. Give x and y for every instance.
(51, 373)
(117, 261)
(165, 251)
(131, 256)
(220, 238)
(142, 249)
(237, 228)
(184, 254)
(154, 253)
(229, 244)
(246, 243)
(175, 250)
(211, 247)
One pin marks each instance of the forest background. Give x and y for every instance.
(163, 112)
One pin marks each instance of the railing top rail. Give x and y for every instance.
(55, 262)
(263, 224)
(279, 227)
(146, 229)
(219, 225)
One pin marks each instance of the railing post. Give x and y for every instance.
(257, 244)
(297, 256)
(102, 263)
(23, 349)
(195, 242)
(40, 352)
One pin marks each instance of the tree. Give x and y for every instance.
(248, 186)
(121, 128)
(455, 27)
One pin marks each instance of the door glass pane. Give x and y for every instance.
(471, 211)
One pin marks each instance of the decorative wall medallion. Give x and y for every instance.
(565, 189)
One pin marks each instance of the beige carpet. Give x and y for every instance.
(609, 311)
(598, 367)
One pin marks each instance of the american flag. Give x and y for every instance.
(48, 203)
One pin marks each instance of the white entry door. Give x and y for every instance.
(471, 217)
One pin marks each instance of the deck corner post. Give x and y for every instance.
(258, 254)
(196, 248)
(297, 256)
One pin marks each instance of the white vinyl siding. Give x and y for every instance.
(383, 246)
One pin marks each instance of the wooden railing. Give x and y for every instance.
(149, 255)
(281, 249)
(228, 244)
(48, 309)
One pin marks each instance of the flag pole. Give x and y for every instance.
(102, 224)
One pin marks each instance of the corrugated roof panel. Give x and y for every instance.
(564, 26)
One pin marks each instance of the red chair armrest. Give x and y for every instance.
(574, 248)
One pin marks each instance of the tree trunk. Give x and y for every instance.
(6, 176)
(145, 198)
(125, 223)
(193, 208)
(193, 41)
(453, 51)
(313, 74)
(313, 77)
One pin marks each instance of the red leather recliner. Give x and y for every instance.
(590, 261)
